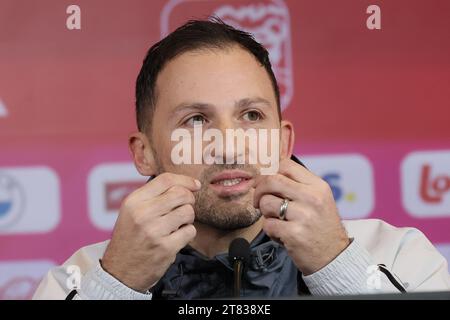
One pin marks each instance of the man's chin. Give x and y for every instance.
(228, 226)
(219, 216)
(226, 212)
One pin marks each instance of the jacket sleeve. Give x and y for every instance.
(83, 273)
(51, 287)
(419, 265)
(382, 259)
(352, 272)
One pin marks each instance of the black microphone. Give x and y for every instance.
(239, 255)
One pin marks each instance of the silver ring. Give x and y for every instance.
(283, 209)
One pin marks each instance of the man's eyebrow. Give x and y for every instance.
(243, 103)
(246, 102)
(192, 106)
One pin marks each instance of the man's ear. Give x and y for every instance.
(287, 138)
(142, 153)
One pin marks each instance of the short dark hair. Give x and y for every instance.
(193, 35)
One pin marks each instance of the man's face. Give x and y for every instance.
(221, 89)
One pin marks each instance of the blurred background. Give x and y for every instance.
(371, 108)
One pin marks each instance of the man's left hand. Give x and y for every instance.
(312, 231)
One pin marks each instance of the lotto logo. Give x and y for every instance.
(425, 180)
(433, 189)
(350, 178)
(267, 20)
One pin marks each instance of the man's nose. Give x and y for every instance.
(231, 151)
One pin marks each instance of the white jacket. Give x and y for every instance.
(405, 252)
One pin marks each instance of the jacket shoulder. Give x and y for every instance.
(369, 229)
(405, 251)
(382, 239)
(58, 281)
(87, 256)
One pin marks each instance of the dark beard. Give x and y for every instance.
(222, 213)
(228, 213)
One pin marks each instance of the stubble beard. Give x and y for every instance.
(223, 213)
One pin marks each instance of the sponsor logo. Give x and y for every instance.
(29, 200)
(268, 21)
(108, 185)
(20, 279)
(425, 180)
(73, 281)
(115, 193)
(12, 200)
(351, 180)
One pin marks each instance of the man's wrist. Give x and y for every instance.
(346, 274)
(97, 284)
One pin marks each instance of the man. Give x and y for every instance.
(172, 235)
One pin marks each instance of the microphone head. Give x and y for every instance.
(239, 250)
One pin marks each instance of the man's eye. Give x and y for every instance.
(195, 120)
(252, 116)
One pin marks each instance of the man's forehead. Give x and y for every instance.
(205, 79)
(201, 64)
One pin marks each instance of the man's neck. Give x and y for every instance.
(211, 241)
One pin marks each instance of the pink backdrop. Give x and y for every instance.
(371, 110)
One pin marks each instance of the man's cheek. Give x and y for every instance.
(193, 171)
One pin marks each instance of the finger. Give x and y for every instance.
(285, 232)
(174, 197)
(165, 181)
(278, 185)
(296, 172)
(270, 205)
(181, 237)
(275, 228)
(176, 218)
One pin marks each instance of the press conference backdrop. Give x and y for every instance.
(366, 84)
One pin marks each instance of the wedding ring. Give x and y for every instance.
(283, 209)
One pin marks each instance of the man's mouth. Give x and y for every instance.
(232, 182)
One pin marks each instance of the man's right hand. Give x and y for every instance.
(155, 222)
